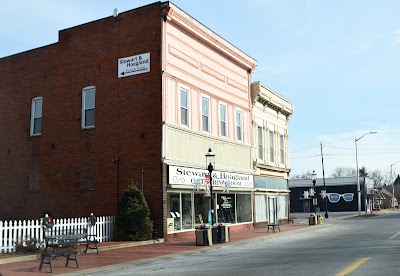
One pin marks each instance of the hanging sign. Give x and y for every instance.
(133, 65)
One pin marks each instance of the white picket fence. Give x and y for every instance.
(13, 231)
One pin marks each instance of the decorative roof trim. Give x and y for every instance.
(173, 14)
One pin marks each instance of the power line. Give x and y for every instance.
(358, 149)
(304, 149)
(304, 157)
(340, 154)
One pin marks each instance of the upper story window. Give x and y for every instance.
(271, 146)
(205, 114)
(184, 101)
(281, 149)
(260, 144)
(222, 120)
(88, 106)
(36, 116)
(238, 125)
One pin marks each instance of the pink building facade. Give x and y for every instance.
(206, 104)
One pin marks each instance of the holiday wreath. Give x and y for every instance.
(47, 221)
(92, 219)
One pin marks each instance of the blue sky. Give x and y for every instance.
(337, 61)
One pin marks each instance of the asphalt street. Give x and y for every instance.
(342, 246)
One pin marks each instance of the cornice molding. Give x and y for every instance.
(276, 107)
(174, 15)
(272, 168)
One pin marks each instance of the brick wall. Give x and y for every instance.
(67, 170)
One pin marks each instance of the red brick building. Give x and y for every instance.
(75, 131)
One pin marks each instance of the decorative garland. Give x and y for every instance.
(47, 221)
(92, 219)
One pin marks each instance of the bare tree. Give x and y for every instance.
(377, 178)
(344, 172)
(305, 175)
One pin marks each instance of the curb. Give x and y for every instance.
(80, 251)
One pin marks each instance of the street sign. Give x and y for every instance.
(133, 65)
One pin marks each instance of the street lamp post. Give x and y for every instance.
(210, 163)
(358, 174)
(391, 181)
(314, 181)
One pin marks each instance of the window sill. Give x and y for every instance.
(87, 128)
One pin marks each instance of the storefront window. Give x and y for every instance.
(174, 212)
(283, 207)
(244, 213)
(187, 218)
(261, 208)
(226, 208)
(188, 211)
(201, 207)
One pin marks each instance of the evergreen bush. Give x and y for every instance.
(30, 245)
(133, 219)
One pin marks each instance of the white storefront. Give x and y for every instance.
(189, 198)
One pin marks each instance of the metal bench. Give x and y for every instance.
(70, 240)
(273, 226)
(69, 254)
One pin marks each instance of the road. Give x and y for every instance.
(357, 246)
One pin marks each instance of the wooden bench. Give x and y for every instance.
(273, 226)
(69, 254)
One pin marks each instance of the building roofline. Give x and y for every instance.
(174, 14)
(340, 181)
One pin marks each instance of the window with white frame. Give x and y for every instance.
(36, 116)
(238, 125)
(271, 146)
(205, 114)
(184, 101)
(281, 149)
(222, 120)
(88, 106)
(260, 144)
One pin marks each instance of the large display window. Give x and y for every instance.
(201, 207)
(244, 210)
(188, 210)
(180, 211)
(226, 208)
(271, 206)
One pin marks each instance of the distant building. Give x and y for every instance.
(341, 195)
(387, 200)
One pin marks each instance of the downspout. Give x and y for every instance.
(164, 11)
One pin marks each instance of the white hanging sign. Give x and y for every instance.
(133, 65)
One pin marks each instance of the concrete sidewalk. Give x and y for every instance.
(133, 252)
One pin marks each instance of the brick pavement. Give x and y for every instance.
(133, 252)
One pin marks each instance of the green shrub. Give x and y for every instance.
(31, 245)
(133, 219)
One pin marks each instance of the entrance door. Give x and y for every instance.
(272, 208)
(306, 206)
